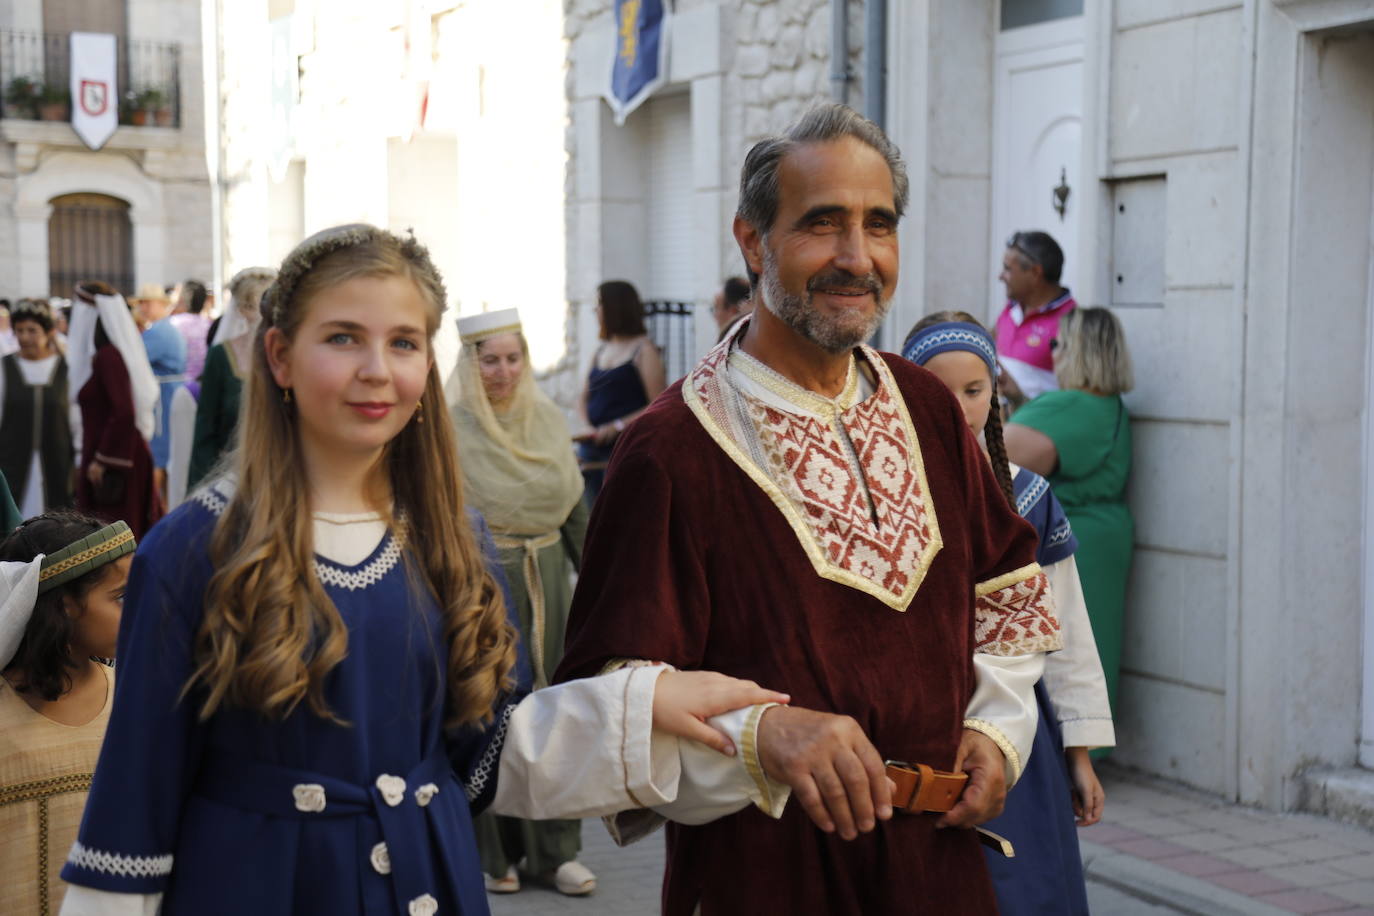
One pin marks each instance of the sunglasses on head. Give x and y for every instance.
(1014, 243)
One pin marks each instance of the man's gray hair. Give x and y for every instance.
(758, 181)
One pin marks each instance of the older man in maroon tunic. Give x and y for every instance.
(806, 512)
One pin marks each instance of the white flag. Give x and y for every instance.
(95, 108)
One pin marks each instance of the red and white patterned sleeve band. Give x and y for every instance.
(1014, 614)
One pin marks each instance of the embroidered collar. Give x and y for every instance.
(879, 539)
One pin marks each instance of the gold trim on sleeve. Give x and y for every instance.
(749, 750)
(984, 727)
(983, 589)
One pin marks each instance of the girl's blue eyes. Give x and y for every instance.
(345, 338)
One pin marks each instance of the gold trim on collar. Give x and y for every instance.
(793, 393)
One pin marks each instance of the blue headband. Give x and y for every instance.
(948, 336)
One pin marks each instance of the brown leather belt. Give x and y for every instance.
(922, 788)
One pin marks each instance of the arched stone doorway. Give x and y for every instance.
(90, 237)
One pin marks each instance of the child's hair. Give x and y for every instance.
(44, 657)
(992, 432)
(271, 635)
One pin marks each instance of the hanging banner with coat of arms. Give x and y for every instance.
(95, 108)
(641, 54)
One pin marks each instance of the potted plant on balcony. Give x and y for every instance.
(154, 102)
(21, 98)
(54, 104)
(129, 110)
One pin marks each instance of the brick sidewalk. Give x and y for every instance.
(1160, 849)
(1184, 844)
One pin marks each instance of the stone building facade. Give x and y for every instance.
(1218, 164)
(139, 209)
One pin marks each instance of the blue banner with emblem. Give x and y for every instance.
(640, 65)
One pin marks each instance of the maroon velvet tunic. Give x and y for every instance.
(109, 432)
(689, 561)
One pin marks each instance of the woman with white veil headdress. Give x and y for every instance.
(520, 472)
(114, 409)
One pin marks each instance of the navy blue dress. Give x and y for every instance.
(1046, 877)
(611, 394)
(239, 815)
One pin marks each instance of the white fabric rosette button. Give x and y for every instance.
(381, 859)
(393, 789)
(424, 905)
(425, 793)
(309, 796)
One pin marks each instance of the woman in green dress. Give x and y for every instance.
(1079, 438)
(226, 366)
(519, 470)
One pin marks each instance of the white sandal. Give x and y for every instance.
(508, 884)
(574, 879)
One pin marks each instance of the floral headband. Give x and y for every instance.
(328, 241)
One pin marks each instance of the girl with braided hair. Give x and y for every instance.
(1046, 876)
(321, 682)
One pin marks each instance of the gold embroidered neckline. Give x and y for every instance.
(802, 398)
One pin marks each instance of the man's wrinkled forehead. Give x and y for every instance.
(845, 174)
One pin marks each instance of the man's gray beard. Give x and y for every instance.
(800, 314)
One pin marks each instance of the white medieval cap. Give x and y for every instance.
(477, 328)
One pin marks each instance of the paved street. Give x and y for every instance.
(1160, 850)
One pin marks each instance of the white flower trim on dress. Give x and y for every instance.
(369, 575)
(381, 859)
(216, 500)
(482, 772)
(393, 789)
(425, 793)
(211, 499)
(114, 863)
(424, 905)
(309, 797)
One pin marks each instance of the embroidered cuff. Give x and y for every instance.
(114, 871)
(772, 795)
(1014, 614)
(1013, 757)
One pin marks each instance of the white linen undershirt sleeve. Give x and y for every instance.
(87, 901)
(1073, 675)
(1003, 705)
(588, 747)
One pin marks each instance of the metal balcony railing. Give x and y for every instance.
(35, 79)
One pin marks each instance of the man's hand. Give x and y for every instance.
(832, 767)
(986, 791)
(95, 472)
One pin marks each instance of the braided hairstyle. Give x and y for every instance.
(992, 432)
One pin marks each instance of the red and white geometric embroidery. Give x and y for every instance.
(884, 548)
(1016, 617)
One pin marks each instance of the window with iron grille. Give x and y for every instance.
(90, 237)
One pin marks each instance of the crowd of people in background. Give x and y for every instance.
(99, 394)
(113, 412)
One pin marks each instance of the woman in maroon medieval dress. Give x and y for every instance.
(116, 396)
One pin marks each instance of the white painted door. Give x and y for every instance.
(1037, 139)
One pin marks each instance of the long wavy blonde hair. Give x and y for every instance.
(270, 634)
